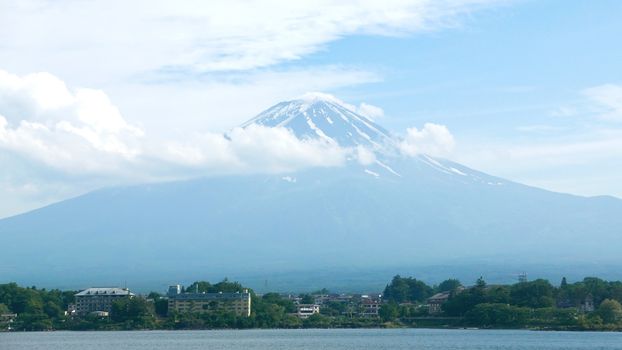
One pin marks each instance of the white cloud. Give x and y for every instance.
(57, 142)
(579, 153)
(214, 36)
(539, 128)
(432, 139)
(608, 101)
(576, 152)
(171, 68)
(565, 111)
(220, 104)
(53, 137)
(253, 149)
(78, 136)
(365, 156)
(196, 60)
(365, 109)
(370, 111)
(562, 163)
(74, 130)
(85, 132)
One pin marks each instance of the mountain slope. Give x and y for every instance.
(395, 211)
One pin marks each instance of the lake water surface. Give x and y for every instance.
(346, 339)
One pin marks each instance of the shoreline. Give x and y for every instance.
(561, 329)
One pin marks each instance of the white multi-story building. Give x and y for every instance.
(99, 299)
(305, 310)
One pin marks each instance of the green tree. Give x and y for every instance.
(268, 315)
(597, 287)
(402, 290)
(535, 294)
(161, 307)
(275, 298)
(224, 286)
(388, 312)
(334, 308)
(449, 285)
(610, 311)
(53, 310)
(4, 309)
(497, 315)
(460, 303)
(317, 321)
(33, 322)
(498, 295)
(131, 309)
(322, 291)
(306, 299)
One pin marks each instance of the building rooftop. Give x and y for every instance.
(209, 296)
(105, 291)
(439, 297)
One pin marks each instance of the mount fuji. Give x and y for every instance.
(387, 211)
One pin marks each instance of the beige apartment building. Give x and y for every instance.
(237, 303)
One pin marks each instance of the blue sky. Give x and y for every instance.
(529, 58)
(503, 79)
(101, 93)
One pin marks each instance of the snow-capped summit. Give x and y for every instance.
(323, 116)
(319, 115)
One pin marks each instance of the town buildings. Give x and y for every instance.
(436, 301)
(99, 300)
(588, 304)
(305, 310)
(237, 303)
(370, 307)
(6, 321)
(362, 305)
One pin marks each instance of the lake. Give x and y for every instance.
(346, 339)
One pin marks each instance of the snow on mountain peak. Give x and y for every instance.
(323, 116)
(320, 115)
(311, 97)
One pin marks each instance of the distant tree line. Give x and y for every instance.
(533, 304)
(536, 304)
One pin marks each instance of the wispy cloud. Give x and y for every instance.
(539, 128)
(123, 38)
(584, 139)
(220, 103)
(607, 101)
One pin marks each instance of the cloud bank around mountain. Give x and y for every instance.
(56, 136)
(80, 131)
